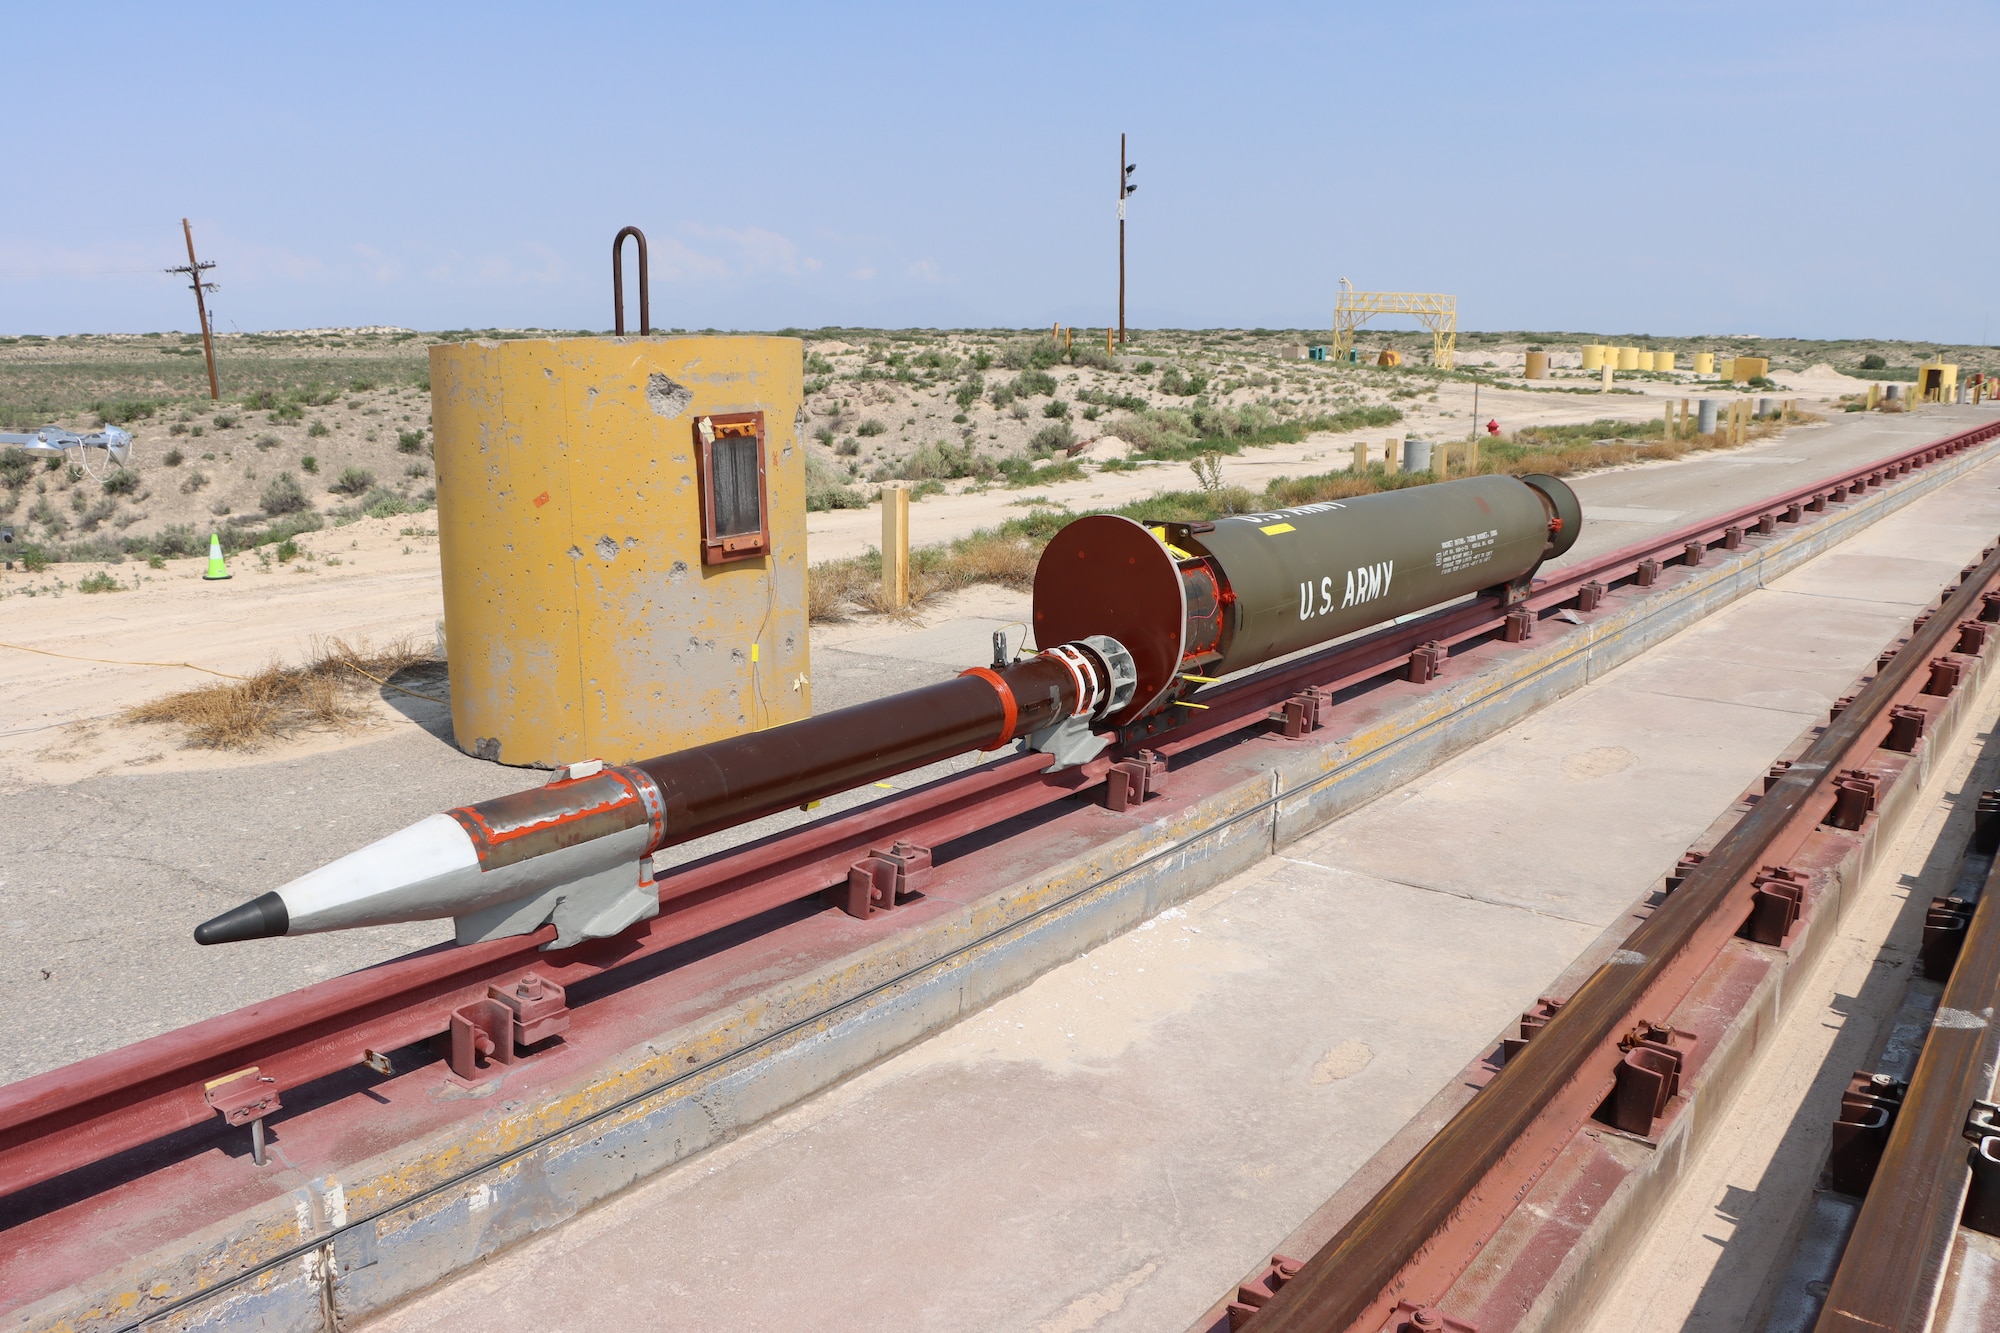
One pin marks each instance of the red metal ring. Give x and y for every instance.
(1012, 710)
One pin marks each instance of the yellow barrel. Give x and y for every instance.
(1704, 363)
(1663, 360)
(618, 581)
(1628, 358)
(1537, 367)
(1593, 355)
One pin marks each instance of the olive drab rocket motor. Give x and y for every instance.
(1133, 613)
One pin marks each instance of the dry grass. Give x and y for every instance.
(322, 694)
(837, 589)
(1515, 458)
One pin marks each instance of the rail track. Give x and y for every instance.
(144, 1100)
(1610, 1054)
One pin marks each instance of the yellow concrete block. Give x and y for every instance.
(581, 621)
(1937, 382)
(1749, 367)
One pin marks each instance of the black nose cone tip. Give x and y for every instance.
(259, 919)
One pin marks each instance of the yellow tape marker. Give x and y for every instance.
(1204, 680)
(753, 652)
(885, 786)
(1273, 529)
(1182, 703)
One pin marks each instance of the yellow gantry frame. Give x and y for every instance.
(1434, 310)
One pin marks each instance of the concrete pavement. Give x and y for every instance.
(1114, 1145)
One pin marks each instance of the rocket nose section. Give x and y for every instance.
(259, 919)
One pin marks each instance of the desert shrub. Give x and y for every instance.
(224, 420)
(359, 385)
(98, 582)
(969, 391)
(123, 413)
(317, 429)
(870, 427)
(194, 481)
(1094, 356)
(16, 466)
(1182, 386)
(309, 463)
(1052, 437)
(1002, 394)
(944, 460)
(352, 481)
(824, 435)
(178, 539)
(262, 400)
(1030, 354)
(1030, 383)
(267, 442)
(1874, 361)
(409, 441)
(124, 481)
(283, 496)
(173, 458)
(287, 412)
(825, 490)
(1056, 409)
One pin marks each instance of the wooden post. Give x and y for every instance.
(1667, 429)
(1361, 457)
(1393, 464)
(1605, 385)
(1441, 460)
(896, 545)
(1686, 430)
(1472, 458)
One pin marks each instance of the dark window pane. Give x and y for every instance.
(736, 509)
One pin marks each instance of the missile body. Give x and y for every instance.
(574, 852)
(1206, 599)
(1134, 611)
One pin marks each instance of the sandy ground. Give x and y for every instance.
(966, 506)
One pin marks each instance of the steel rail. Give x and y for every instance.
(1568, 1068)
(86, 1112)
(1893, 1267)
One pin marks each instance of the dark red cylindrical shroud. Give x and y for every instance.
(729, 782)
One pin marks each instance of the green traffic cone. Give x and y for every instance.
(216, 569)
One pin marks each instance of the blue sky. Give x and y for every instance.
(1778, 169)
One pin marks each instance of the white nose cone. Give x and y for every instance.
(422, 872)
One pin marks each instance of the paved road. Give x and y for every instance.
(1114, 1145)
(102, 880)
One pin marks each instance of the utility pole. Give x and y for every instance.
(1125, 188)
(194, 269)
